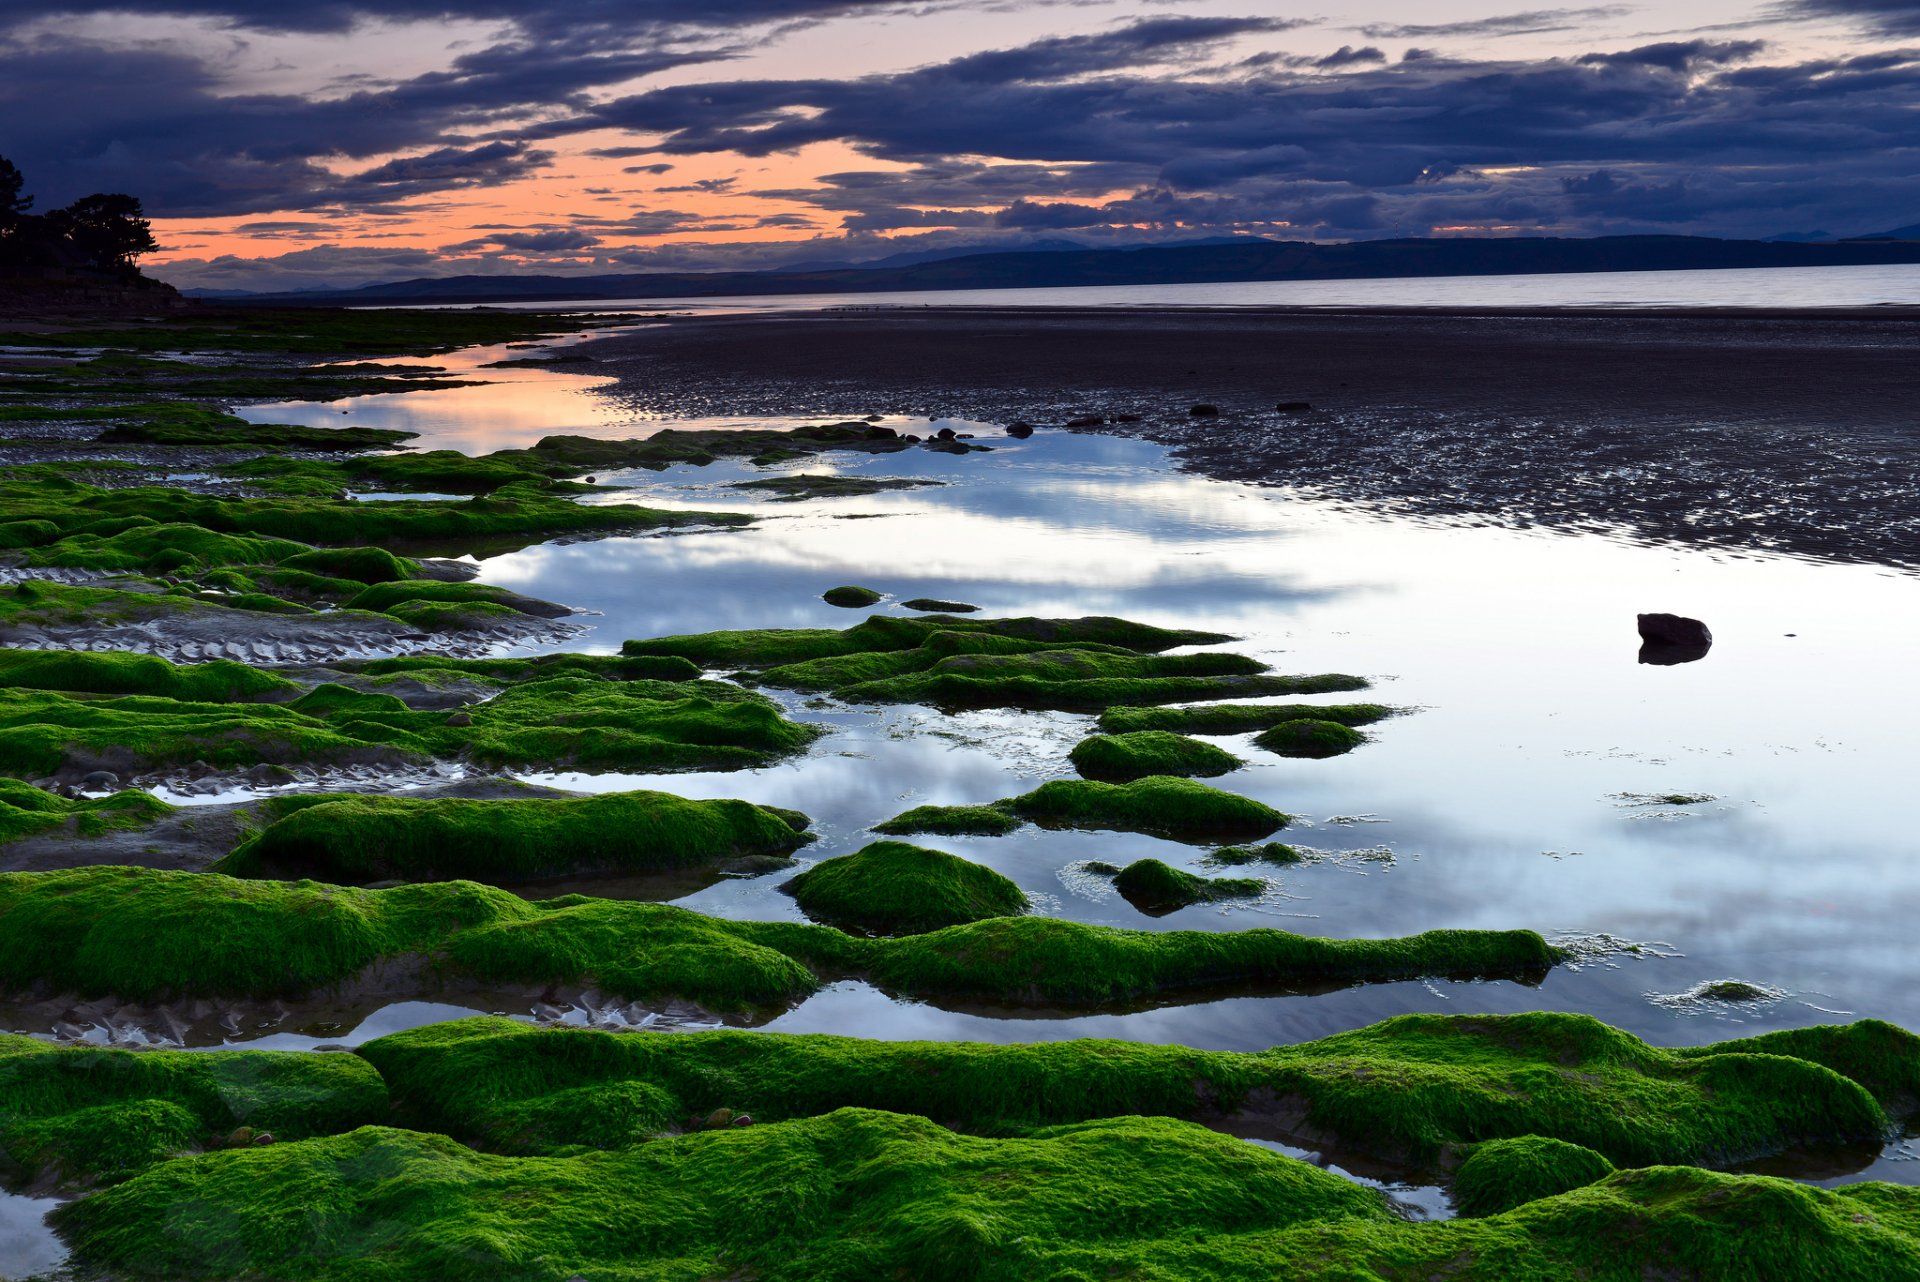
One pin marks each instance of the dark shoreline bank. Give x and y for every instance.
(1792, 431)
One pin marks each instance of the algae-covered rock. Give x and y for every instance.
(1157, 805)
(1499, 1175)
(933, 605)
(851, 598)
(1276, 853)
(77, 1115)
(26, 810)
(1140, 753)
(363, 839)
(82, 672)
(1244, 718)
(1310, 739)
(801, 486)
(893, 888)
(952, 821)
(1156, 888)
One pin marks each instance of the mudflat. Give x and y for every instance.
(1797, 431)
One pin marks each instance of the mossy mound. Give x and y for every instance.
(1140, 753)
(1411, 1089)
(360, 565)
(83, 672)
(1311, 739)
(83, 1114)
(1500, 1175)
(26, 810)
(859, 1194)
(850, 598)
(1276, 853)
(1243, 718)
(141, 934)
(585, 722)
(1157, 805)
(225, 431)
(932, 605)
(700, 447)
(892, 888)
(952, 821)
(363, 839)
(515, 671)
(1156, 888)
(779, 647)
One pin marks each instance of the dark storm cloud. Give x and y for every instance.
(1894, 17)
(551, 18)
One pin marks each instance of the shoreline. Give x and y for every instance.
(1789, 431)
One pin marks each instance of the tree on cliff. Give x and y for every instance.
(105, 231)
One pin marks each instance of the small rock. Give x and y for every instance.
(1204, 411)
(743, 1119)
(1087, 420)
(1673, 629)
(945, 434)
(242, 1136)
(1293, 407)
(460, 719)
(720, 1119)
(100, 779)
(263, 1138)
(593, 480)
(911, 440)
(1020, 431)
(879, 433)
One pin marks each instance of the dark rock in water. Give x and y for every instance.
(879, 433)
(911, 440)
(593, 480)
(875, 418)
(1667, 656)
(1020, 431)
(1204, 411)
(849, 597)
(945, 434)
(1087, 420)
(1673, 629)
(460, 719)
(932, 605)
(1293, 407)
(101, 779)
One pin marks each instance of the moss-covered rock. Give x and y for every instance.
(26, 810)
(141, 934)
(363, 839)
(75, 1115)
(892, 888)
(1157, 805)
(1139, 753)
(360, 565)
(800, 486)
(952, 821)
(1310, 739)
(850, 597)
(1244, 718)
(1156, 888)
(1277, 853)
(84, 672)
(1500, 1175)
(933, 605)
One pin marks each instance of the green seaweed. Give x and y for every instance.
(1500, 1175)
(1139, 753)
(362, 839)
(26, 810)
(1156, 805)
(892, 888)
(215, 681)
(849, 597)
(933, 605)
(952, 821)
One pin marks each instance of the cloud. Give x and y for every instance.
(1533, 22)
(1889, 17)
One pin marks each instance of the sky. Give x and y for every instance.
(298, 144)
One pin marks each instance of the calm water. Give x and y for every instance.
(1772, 287)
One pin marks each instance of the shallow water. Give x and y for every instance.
(28, 1246)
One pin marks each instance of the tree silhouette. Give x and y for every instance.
(12, 203)
(107, 228)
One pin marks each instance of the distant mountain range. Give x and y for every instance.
(1241, 259)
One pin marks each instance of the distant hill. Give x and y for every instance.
(1248, 260)
(1898, 233)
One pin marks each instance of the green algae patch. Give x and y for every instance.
(142, 934)
(79, 1115)
(172, 548)
(892, 888)
(849, 597)
(700, 447)
(358, 565)
(881, 634)
(1157, 805)
(362, 839)
(1245, 718)
(1137, 754)
(952, 821)
(1277, 853)
(26, 810)
(84, 672)
(513, 671)
(1310, 739)
(225, 431)
(1156, 888)
(932, 605)
(852, 1195)
(1500, 1175)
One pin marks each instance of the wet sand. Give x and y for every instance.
(1789, 431)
